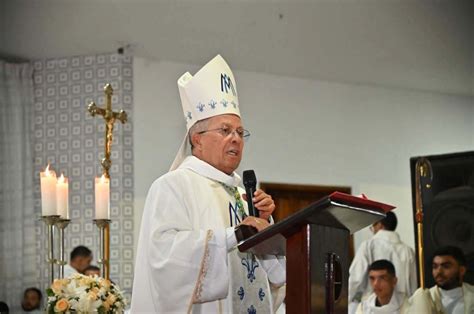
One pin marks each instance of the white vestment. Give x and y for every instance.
(383, 245)
(69, 270)
(455, 301)
(187, 261)
(398, 305)
(420, 302)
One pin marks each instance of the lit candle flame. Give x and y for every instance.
(61, 179)
(46, 171)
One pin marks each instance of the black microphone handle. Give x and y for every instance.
(252, 210)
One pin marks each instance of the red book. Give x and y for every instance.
(356, 201)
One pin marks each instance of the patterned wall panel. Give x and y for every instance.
(67, 137)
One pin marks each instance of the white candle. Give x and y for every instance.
(48, 192)
(62, 197)
(102, 198)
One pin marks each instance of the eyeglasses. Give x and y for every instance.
(226, 131)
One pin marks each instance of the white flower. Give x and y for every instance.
(84, 305)
(87, 294)
(74, 304)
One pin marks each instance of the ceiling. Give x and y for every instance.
(421, 45)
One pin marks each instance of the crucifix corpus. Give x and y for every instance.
(109, 117)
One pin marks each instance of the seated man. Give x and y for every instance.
(385, 244)
(450, 294)
(384, 299)
(81, 258)
(31, 300)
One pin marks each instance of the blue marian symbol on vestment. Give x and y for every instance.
(241, 293)
(261, 294)
(250, 263)
(251, 310)
(233, 214)
(200, 107)
(212, 104)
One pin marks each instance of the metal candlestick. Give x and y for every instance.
(110, 117)
(61, 224)
(50, 221)
(104, 242)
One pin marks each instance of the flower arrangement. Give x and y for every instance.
(84, 294)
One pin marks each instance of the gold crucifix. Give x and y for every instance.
(109, 117)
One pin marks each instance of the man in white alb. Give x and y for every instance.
(385, 244)
(385, 298)
(80, 259)
(451, 295)
(187, 260)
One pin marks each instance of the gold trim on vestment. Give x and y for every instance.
(202, 272)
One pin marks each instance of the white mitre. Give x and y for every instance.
(210, 92)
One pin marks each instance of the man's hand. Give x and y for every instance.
(257, 223)
(263, 202)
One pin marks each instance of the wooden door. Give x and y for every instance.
(290, 198)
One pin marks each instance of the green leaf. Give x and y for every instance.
(101, 310)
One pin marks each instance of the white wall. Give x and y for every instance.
(423, 44)
(309, 132)
(2, 25)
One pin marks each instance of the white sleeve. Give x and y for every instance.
(231, 239)
(275, 267)
(413, 276)
(358, 273)
(421, 302)
(186, 266)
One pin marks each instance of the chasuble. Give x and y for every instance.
(187, 260)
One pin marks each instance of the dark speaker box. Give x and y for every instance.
(448, 208)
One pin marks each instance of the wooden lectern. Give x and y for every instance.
(315, 241)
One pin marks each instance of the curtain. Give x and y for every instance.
(17, 216)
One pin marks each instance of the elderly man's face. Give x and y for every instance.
(383, 283)
(447, 272)
(222, 152)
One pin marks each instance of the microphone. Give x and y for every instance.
(250, 183)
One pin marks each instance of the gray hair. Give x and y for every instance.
(199, 126)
